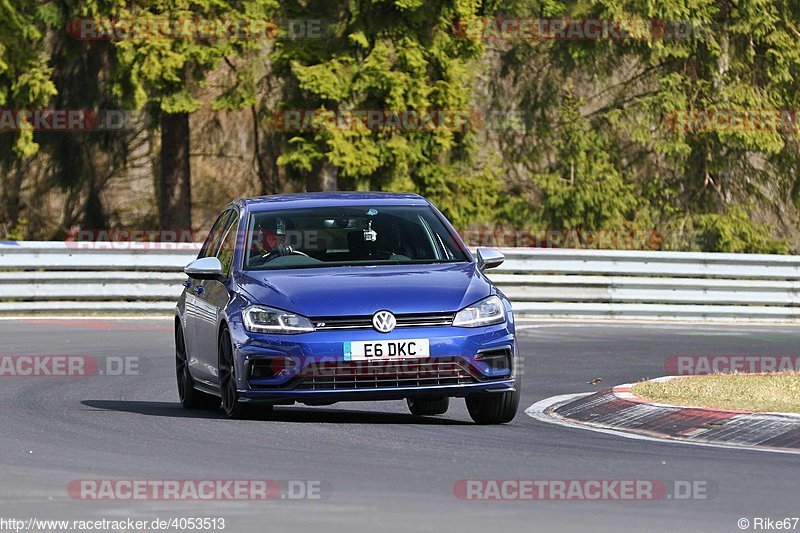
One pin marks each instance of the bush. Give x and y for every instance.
(735, 232)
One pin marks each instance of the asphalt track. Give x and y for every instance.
(386, 470)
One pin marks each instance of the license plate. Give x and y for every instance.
(383, 350)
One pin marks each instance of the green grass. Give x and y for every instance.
(759, 393)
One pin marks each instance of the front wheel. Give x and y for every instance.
(190, 397)
(493, 408)
(231, 404)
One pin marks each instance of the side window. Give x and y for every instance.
(211, 245)
(226, 251)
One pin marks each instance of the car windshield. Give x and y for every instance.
(348, 236)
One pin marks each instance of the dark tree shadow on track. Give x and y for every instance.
(280, 414)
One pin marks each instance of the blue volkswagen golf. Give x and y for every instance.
(326, 297)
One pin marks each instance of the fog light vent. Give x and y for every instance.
(497, 359)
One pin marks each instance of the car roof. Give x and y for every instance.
(329, 199)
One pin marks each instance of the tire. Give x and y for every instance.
(428, 406)
(231, 404)
(190, 397)
(493, 408)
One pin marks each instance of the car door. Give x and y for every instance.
(213, 298)
(195, 307)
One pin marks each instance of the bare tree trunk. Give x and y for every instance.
(174, 185)
(268, 172)
(12, 187)
(324, 178)
(329, 177)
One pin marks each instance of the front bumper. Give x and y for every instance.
(462, 361)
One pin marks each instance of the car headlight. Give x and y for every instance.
(484, 313)
(262, 319)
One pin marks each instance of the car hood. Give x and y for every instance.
(352, 291)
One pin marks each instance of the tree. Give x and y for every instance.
(733, 58)
(25, 83)
(585, 191)
(165, 73)
(402, 59)
(81, 163)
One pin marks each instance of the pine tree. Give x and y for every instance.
(397, 56)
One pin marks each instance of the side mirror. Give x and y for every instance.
(488, 258)
(205, 268)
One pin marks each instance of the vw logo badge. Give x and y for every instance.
(384, 321)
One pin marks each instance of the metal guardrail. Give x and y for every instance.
(143, 278)
(65, 278)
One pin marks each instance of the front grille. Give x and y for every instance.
(322, 323)
(388, 374)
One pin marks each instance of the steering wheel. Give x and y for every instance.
(280, 250)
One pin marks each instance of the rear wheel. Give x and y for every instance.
(190, 397)
(428, 406)
(493, 408)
